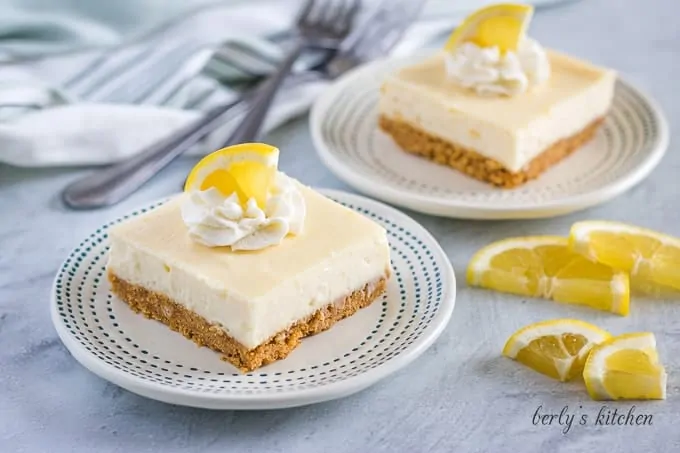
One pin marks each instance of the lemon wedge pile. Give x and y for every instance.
(621, 367)
(556, 348)
(597, 265)
(545, 266)
(652, 259)
(502, 25)
(247, 170)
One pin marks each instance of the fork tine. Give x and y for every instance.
(303, 14)
(345, 20)
(330, 13)
(378, 32)
(366, 24)
(324, 14)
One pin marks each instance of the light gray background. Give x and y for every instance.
(459, 396)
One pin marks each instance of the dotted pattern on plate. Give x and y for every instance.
(90, 314)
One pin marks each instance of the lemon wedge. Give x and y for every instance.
(248, 170)
(502, 25)
(625, 367)
(556, 348)
(652, 259)
(544, 266)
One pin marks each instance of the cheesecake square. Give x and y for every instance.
(253, 306)
(502, 140)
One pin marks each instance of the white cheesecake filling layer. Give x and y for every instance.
(253, 321)
(510, 134)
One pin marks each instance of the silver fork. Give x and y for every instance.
(321, 25)
(374, 38)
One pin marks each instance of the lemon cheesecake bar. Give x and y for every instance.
(494, 104)
(248, 261)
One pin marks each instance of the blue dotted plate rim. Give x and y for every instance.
(324, 392)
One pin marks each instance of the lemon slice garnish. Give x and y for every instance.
(247, 170)
(652, 259)
(557, 348)
(545, 266)
(502, 25)
(625, 367)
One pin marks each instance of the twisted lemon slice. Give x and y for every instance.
(556, 348)
(625, 367)
(502, 25)
(544, 266)
(652, 259)
(247, 170)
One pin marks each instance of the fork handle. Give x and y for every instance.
(251, 124)
(114, 183)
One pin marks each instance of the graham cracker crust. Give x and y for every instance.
(421, 143)
(157, 306)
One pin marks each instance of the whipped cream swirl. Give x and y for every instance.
(215, 220)
(490, 73)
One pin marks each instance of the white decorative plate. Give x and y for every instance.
(344, 130)
(147, 358)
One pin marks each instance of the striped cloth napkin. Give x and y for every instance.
(101, 106)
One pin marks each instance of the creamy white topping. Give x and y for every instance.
(215, 220)
(488, 72)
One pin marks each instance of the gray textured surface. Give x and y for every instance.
(460, 396)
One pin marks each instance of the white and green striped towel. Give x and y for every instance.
(85, 106)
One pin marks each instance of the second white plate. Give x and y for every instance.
(344, 129)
